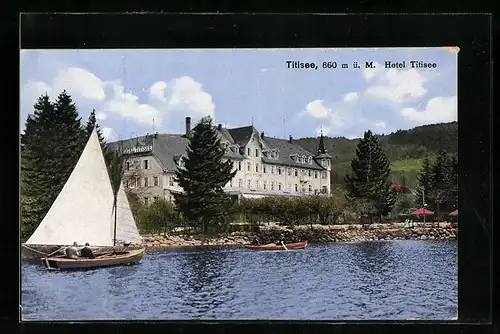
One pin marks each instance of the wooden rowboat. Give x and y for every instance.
(292, 246)
(101, 260)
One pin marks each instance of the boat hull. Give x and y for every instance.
(292, 246)
(128, 257)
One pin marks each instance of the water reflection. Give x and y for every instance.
(202, 275)
(373, 257)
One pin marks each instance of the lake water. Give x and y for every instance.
(335, 281)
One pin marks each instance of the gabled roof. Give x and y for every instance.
(242, 135)
(287, 149)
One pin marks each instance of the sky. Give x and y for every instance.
(135, 92)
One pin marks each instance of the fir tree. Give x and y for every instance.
(50, 148)
(202, 177)
(425, 183)
(369, 176)
(444, 191)
(89, 127)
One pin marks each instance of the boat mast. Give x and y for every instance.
(114, 234)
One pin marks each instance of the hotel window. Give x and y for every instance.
(289, 171)
(155, 198)
(264, 169)
(248, 151)
(310, 188)
(310, 160)
(155, 181)
(315, 175)
(240, 183)
(128, 165)
(272, 185)
(296, 172)
(323, 175)
(146, 182)
(279, 186)
(324, 189)
(257, 152)
(249, 184)
(302, 172)
(239, 165)
(127, 184)
(279, 170)
(257, 184)
(249, 166)
(309, 173)
(296, 187)
(146, 200)
(272, 169)
(264, 185)
(171, 181)
(146, 164)
(257, 167)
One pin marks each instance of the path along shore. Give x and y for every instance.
(318, 233)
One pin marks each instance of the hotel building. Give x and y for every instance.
(265, 166)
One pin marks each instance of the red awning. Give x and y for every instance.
(454, 213)
(422, 211)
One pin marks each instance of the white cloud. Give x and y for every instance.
(101, 116)
(380, 125)
(369, 73)
(127, 105)
(397, 86)
(438, 110)
(317, 109)
(186, 96)
(79, 83)
(109, 134)
(34, 89)
(157, 91)
(351, 97)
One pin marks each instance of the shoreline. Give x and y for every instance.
(316, 234)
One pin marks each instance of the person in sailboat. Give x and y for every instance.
(72, 251)
(87, 252)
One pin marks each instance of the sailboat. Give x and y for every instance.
(84, 212)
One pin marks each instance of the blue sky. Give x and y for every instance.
(131, 88)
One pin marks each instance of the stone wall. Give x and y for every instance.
(318, 233)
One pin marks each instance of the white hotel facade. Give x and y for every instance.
(265, 166)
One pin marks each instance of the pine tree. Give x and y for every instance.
(50, 148)
(202, 176)
(369, 176)
(89, 127)
(425, 183)
(445, 185)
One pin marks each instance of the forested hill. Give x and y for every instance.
(404, 148)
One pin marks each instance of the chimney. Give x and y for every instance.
(188, 124)
(290, 139)
(262, 135)
(219, 127)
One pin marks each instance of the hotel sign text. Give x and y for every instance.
(138, 149)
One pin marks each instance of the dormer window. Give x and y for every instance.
(310, 160)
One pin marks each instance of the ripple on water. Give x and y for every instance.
(337, 281)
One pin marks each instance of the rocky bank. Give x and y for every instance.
(316, 233)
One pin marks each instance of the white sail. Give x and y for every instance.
(81, 211)
(126, 229)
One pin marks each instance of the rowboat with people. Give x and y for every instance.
(279, 246)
